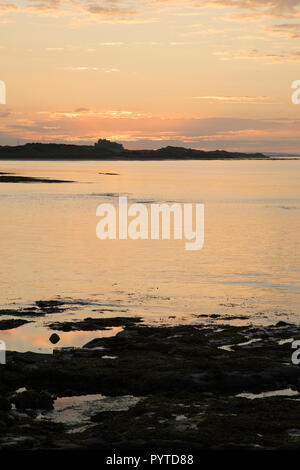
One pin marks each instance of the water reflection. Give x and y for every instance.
(36, 338)
(251, 256)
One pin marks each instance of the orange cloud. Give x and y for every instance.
(138, 131)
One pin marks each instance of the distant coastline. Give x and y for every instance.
(39, 151)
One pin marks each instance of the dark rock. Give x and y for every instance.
(28, 179)
(50, 306)
(190, 385)
(54, 338)
(282, 323)
(33, 400)
(12, 323)
(26, 312)
(128, 333)
(93, 324)
(78, 352)
(41, 308)
(48, 303)
(95, 343)
(5, 404)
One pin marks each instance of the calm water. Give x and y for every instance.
(249, 265)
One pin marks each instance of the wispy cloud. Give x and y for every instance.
(111, 44)
(127, 8)
(256, 54)
(238, 99)
(6, 7)
(286, 30)
(276, 8)
(80, 68)
(83, 68)
(54, 49)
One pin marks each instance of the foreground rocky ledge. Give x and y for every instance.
(188, 378)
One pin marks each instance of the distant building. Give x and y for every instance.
(104, 144)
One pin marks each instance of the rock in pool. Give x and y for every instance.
(33, 400)
(54, 338)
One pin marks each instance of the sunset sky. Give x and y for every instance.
(203, 74)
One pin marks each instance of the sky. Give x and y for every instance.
(208, 74)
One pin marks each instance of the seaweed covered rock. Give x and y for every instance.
(34, 400)
(5, 404)
(54, 338)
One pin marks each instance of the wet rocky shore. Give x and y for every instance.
(201, 386)
(11, 178)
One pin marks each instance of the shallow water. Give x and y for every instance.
(249, 265)
(76, 411)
